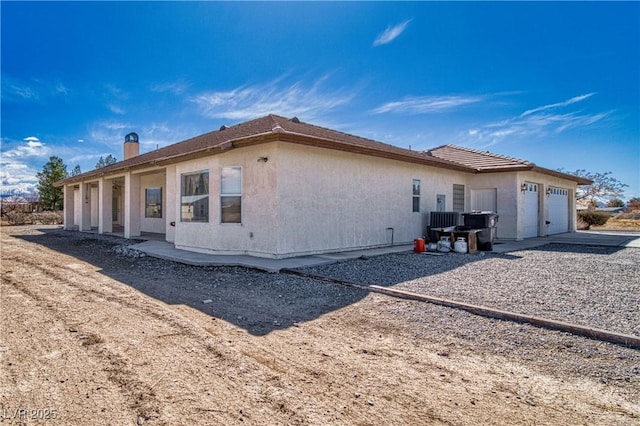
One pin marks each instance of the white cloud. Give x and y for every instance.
(278, 97)
(391, 33)
(109, 133)
(176, 87)
(18, 91)
(31, 90)
(539, 121)
(16, 178)
(32, 148)
(426, 104)
(17, 172)
(109, 136)
(61, 89)
(558, 104)
(116, 109)
(117, 92)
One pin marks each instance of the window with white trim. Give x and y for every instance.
(416, 196)
(231, 195)
(153, 202)
(194, 197)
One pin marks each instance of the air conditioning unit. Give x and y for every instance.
(445, 219)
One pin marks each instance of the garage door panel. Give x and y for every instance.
(558, 202)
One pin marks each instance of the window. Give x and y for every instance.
(231, 195)
(153, 202)
(195, 197)
(416, 196)
(458, 198)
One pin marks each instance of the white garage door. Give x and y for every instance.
(531, 209)
(558, 210)
(484, 200)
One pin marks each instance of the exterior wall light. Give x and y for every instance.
(548, 192)
(263, 159)
(523, 187)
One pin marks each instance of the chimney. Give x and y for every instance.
(131, 146)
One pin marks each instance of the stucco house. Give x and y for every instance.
(276, 187)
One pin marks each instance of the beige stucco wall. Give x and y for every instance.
(331, 200)
(310, 200)
(257, 234)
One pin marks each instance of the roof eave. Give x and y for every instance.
(577, 179)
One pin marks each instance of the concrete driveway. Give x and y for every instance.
(590, 238)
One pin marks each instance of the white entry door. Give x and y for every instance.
(531, 210)
(558, 210)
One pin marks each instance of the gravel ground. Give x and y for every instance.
(593, 286)
(587, 285)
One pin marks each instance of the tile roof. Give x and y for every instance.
(478, 160)
(488, 162)
(273, 128)
(261, 130)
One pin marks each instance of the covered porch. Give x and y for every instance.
(130, 205)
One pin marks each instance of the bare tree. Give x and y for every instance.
(604, 186)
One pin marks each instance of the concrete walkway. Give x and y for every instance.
(165, 250)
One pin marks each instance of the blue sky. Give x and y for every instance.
(554, 83)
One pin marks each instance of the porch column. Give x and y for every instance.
(69, 207)
(573, 210)
(105, 205)
(131, 205)
(84, 223)
(171, 202)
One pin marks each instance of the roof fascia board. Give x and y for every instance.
(579, 180)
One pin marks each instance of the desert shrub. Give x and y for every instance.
(633, 204)
(632, 215)
(591, 218)
(16, 217)
(581, 225)
(48, 218)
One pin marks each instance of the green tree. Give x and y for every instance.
(616, 202)
(52, 171)
(104, 162)
(604, 186)
(76, 171)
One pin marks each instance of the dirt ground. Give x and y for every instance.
(89, 337)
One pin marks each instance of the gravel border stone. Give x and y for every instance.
(587, 285)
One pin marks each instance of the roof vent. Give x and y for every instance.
(294, 120)
(223, 127)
